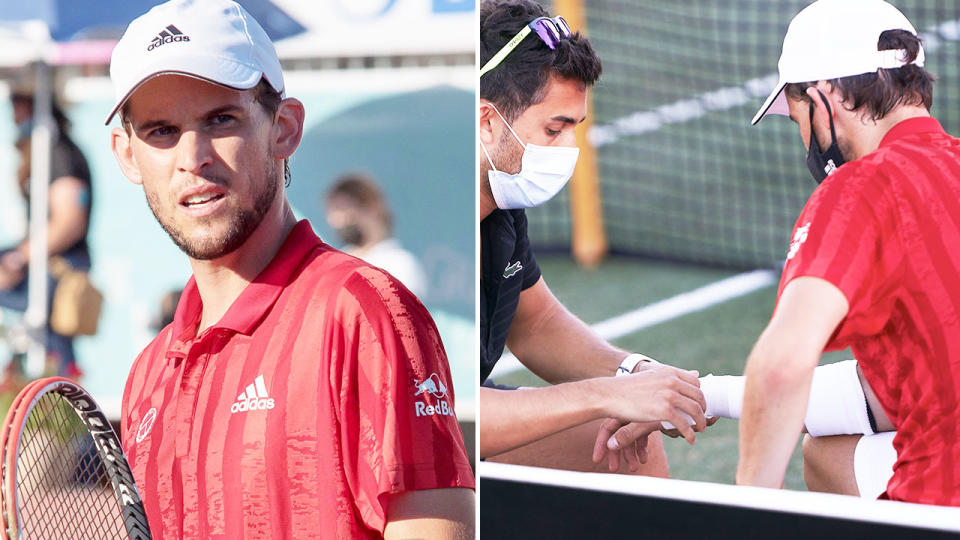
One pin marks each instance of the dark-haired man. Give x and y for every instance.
(872, 261)
(299, 392)
(533, 86)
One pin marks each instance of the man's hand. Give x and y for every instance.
(658, 393)
(674, 433)
(627, 440)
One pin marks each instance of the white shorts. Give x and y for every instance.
(873, 462)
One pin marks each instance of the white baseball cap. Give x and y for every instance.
(830, 39)
(212, 40)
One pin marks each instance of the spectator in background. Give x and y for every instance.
(67, 225)
(358, 212)
(168, 310)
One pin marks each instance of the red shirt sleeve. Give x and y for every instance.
(847, 235)
(398, 428)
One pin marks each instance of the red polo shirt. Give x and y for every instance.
(323, 389)
(885, 230)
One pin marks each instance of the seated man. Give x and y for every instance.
(871, 265)
(533, 88)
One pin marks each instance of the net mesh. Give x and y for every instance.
(683, 175)
(63, 489)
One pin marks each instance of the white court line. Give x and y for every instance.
(665, 310)
(724, 99)
(775, 500)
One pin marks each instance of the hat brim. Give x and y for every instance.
(212, 70)
(776, 103)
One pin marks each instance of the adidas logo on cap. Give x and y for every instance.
(254, 398)
(168, 35)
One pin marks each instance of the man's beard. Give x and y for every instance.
(508, 154)
(241, 226)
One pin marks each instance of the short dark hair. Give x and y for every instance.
(263, 93)
(521, 78)
(879, 92)
(365, 191)
(270, 99)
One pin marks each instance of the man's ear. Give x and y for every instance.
(123, 151)
(821, 105)
(825, 94)
(488, 129)
(288, 128)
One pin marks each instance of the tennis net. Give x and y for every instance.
(683, 175)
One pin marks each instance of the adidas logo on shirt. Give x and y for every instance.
(254, 398)
(168, 35)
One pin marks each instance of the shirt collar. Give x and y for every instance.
(256, 299)
(912, 126)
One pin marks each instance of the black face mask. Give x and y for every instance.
(822, 164)
(351, 234)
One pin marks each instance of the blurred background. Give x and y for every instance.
(388, 87)
(673, 245)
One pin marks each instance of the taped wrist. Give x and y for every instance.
(723, 394)
(837, 404)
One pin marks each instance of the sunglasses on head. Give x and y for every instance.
(550, 29)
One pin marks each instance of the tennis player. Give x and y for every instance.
(533, 85)
(872, 261)
(299, 392)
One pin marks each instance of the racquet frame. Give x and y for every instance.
(105, 439)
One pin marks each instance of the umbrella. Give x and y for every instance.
(84, 20)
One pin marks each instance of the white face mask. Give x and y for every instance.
(544, 170)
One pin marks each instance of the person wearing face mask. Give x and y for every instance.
(605, 404)
(872, 263)
(70, 196)
(358, 212)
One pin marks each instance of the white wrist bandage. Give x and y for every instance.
(837, 404)
(723, 394)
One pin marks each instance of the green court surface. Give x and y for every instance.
(715, 340)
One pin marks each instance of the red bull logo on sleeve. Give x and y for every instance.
(433, 386)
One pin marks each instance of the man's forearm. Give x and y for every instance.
(562, 348)
(513, 418)
(774, 405)
(435, 514)
(779, 371)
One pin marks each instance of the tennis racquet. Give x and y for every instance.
(64, 473)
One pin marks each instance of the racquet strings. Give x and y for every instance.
(63, 489)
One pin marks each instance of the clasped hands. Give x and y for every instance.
(655, 392)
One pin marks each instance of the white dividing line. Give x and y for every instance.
(665, 310)
(724, 99)
(684, 110)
